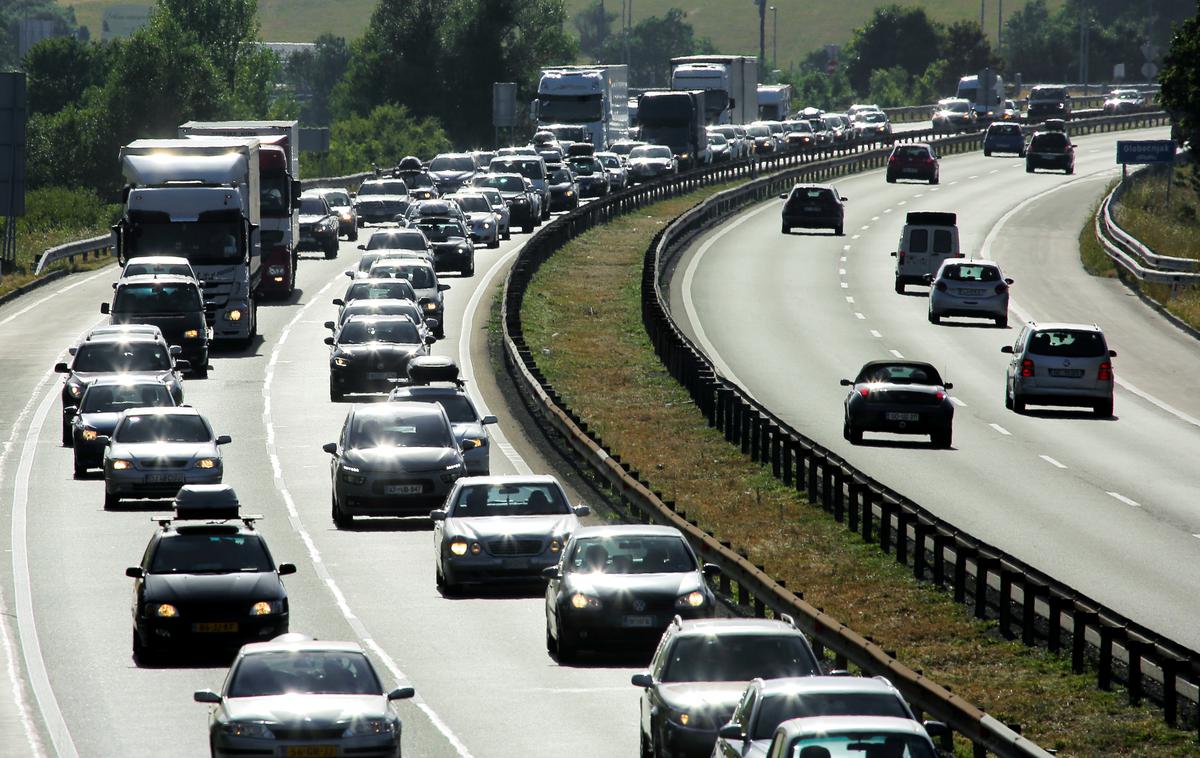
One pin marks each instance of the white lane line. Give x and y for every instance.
(919, 194)
(1001, 429)
(973, 176)
(845, 285)
(52, 295)
(875, 333)
(953, 182)
(1125, 500)
(866, 227)
(1051, 461)
(934, 189)
(859, 316)
(887, 210)
(958, 402)
(849, 299)
(845, 248)
(360, 629)
(902, 202)
(855, 236)
(994, 171)
(843, 258)
(874, 218)
(897, 353)
(841, 272)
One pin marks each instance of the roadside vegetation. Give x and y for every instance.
(582, 318)
(56, 216)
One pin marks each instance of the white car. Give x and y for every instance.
(972, 288)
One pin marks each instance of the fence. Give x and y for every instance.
(1134, 257)
(96, 246)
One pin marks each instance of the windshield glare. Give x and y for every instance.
(442, 231)
(781, 707)
(650, 152)
(397, 241)
(121, 357)
(157, 298)
(312, 206)
(643, 554)
(504, 183)
(452, 163)
(324, 672)
(201, 242)
(394, 289)
(509, 500)
(114, 399)
(425, 430)
(737, 658)
(210, 554)
(473, 203)
(169, 427)
(397, 332)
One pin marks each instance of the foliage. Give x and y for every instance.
(651, 44)
(314, 75)
(383, 137)
(896, 36)
(811, 86)
(1180, 79)
(59, 69)
(594, 24)
(13, 12)
(224, 28)
(65, 208)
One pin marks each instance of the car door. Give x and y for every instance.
(652, 704)
(916, 251)
(743, 716)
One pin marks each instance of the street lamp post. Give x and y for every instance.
(762, 39)
(774, 37)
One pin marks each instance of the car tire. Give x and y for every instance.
(331, 251)
(1018, 403)
(68, 438)
(80, 470)
(494, 243)
(1028, 169)
(852, 434)
(470, 269)
(987, 153)
(839, 231)
(899, 287)
(786, 229)
(566, 650)
(527, 229)
(1002, 322)
(551, 643)
(111, 501)
(934, 318)
(1021, 154)
(142, 654)
(1070, 170)
(507, 234)
(353, 235)
(936, 179)
(1008, 401)
(335, 395)
(646, 749)
(341, 519)
(1104, 408)
(200, 370)
(943, 438)
(891, 179)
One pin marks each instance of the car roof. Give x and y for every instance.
(1056, 325)
(628, 530)
(398, 408)
(895, 362)
(162, 410)
(126, 337)
(510, 479)
(376, 303)
(802, 185)
(803, 685)
(297, 646)
(376, 281)
(717, 626)
(157, 279)
(820, 725)
(177, 259)
(968, 262)
(375, 318)
(425, 390)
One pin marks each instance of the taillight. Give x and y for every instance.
(1026, 367)
(891, 160)
(900, 257)
(941, 286)
(1001, 288)
(941, 395)
(1106, 373)
(864, 392)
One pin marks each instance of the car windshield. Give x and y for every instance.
(899, 373)
(273, 193)
(779, 707)
(957, 107)
(399, 331)
(134, 268)
(164, 427)
(312, 206)
(121, 357)
(1048, 93)
(452, 163)
(397, 241)
(109, 398)
(609, 161)
(442, 231)
(337, 199)
(865, 744)
(873, 117)
(1064, 343)
(158, 298)
(210, 554)
(1005, 129)
(812, 195)
(415, 180)
(478, 500)
(494, 198)
(584, 166)
(392, 187)
(738, 657)
(503, 183)
(398, 430)
(317, 672)
(473, 203)
(559, 176)
(396, 289)
(971, 273)
(380, 308)
(650, 151)
(635, 554)
(201, 242)
(420, 277)
(759, 130)
(717, 139)
(797, 126)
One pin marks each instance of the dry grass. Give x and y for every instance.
(582, 321)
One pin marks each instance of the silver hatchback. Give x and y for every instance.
(972, 288)
(1060, 364)
(155, 451)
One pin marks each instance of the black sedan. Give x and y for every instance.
(206, 579)
(622, 583)
(451, 243)
(370, 353)
(318, 226)
(564, 195)
(902, 397)
(813, 206)
(100, 408)
(522, 206)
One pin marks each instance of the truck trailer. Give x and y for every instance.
(729, 83)
(199, 198)
(675, 118)
(584, 103)
(774, 102)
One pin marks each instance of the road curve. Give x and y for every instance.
(1103, 505)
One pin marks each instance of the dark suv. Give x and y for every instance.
(1052, 150)
(813, 206)
(915, 161)
(699, 672)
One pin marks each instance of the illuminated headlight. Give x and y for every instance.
(191, 334)
(569, 193)
(74, 390)
(684, 156)
(275, 270)
(581, 601)
(233, 315)
(89, 435)
(340, 361)
(691, 600)
(431, 306)
(351, 475)
(475, 441)
(252, 729)
(458, 547)
(486, 225)
(370, 727)
(266, 607)
(207, 463)
(346, 217)
(121, 465)
(166, 611)
(556, 544)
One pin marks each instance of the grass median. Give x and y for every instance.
(582, 320)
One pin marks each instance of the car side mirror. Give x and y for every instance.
(846, 383)
(329, 341)
(104, 308)
(348, 273)
(114, 285)
(927, 278)
(551, 572)
(224, 439)
(893, 253)
(1008, 281)
(711, 570)
(103, 439)
(437, 515)
(948, 385)
(1112, 353)
(489, 419)
(206, 696)
(338, 301)
(70, 410)
(285, 569)
(330, 325)
(362, 246)
(61, 368)
(175, 350)
(732, 731)
(642, 680)
(443, 287)
(430, 339)
(936, 729)
(183, 365)
(582, 510)
(135, 572)
(402, 693)
(783, 196)
(845, 199)
(330, 447)
(1007, 349)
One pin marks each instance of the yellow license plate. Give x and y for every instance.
(224, 626)
(312, 751)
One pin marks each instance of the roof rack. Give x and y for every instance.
(427, 369)
(787, 619)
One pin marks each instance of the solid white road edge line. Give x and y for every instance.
(52, 295)
(1051, 461)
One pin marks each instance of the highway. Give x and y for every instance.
(485, 684)
(1106, 506)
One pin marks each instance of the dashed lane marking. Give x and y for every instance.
(875, 333)
(1051, 461)
(859, 316)
(1125, 500)
(1001, 429)
(897, 353)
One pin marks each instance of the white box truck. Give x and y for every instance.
(584, 103)
(774, 102)
(730, 84)
(199, 198)
(279, 176)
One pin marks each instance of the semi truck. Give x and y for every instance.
(675, 118)
(729, 83)
(279, 203)
(199, 198)
(584, 103)
(774, 102)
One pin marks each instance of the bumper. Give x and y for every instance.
(451, 260)
(813, 222)
(370, 499)
(155, 485)
(88, 454)
(597, 189)
(563, 203)
(1070, 396)
(347, 227)
(911, 172)
(602, 628)
(317, 240)
(876, 419)
(352, 379)
(1060, 163)
(226, 746)
(379, 216)
(1004, 146)
(488, 569)
(684, 742)
(941, 304)
(183, 634)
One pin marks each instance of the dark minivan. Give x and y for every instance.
(174, 304)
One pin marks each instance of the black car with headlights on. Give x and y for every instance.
(132, 356)
(451, 243)
(501, 529)
(96, 416)
(699, 672)
(590, 176)
(902, 397)
(564, 195)
(207, 579)
(371, 353)
(318, 225)
(621, 584)
(343, 207)
(524, 209)
(173, 303)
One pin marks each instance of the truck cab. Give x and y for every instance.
(928, 238)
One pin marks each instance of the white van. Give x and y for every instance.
(928, 238)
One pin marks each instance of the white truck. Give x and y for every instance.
(279, 176)
(985, 92)
(774, 102)
(198, 198)
(584, 103)
(730, 84)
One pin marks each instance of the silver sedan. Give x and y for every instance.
(155, 451)
(973, 288)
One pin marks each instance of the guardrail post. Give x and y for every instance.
(886, 509)
(921, 532)
(868, 513)
(1136, 650)
(789, 454)
(776, 452)
(1081, 619)
(1054, 622)
(827, 485)
(723, 580)
(839, 494)
(1170, 669)
(982, 567)
(755, 426)
(1006, 585)
(1031, 592)
(811, 474)
(1104, 673)
(854, 490)
(902, 519)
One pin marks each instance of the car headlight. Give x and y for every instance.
(569, 193)
(581, 601)
(253, 729)
(487, 225)
(693, 599)
(556, 544)
(120, 464)
(431, 306)
(74, 390)
(166, 611)
(89, 435)
(346, 217)
(207, 463)
(370, 727)
(340, 361)
(458, 547)
(351, 475)
(266, 607)
(233, 315)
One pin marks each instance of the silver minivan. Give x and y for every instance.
(928, 239)
(1060, 364)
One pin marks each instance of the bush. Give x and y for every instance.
(66, 208)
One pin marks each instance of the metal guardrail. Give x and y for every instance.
(1026, 603)
(1134, 257)
(97, 246)
(907, 113)
(349, 182)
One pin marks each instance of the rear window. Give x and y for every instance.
(918, 240)
(782, 707)
(1049, 141)
(1005, 129)
(967, 273)
(1065, 343)
(943, 241)
(811, 195)
(910, 151)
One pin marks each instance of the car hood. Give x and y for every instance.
(650, 162)
(410, 459)
(483, 527)
(716, 698)
(511, 195)
(103, 423)
(479, 216)
(314, 219)
(146, 450)
(608, 585)
(206, 588)
(453, 242)
(320, 711)
(87, 377)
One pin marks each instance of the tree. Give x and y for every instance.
(384, 136)
(227, 29)
(811, 86)
(888, 87)
(59, 69)
(652, 42)
(594, 24)
(1180, 80)
(965, 50)
(895, 36)
(316, 73)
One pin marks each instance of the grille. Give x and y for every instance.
(515, 547)
(161, 463)
(307, 733)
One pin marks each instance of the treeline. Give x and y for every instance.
(647, 46)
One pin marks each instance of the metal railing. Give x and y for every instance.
(349, 182)
(1134, 257)
(94, 246)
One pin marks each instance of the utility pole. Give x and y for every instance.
(762, 39)
(774, 37)
(999, 24)
(981, 11)
(1083, 45)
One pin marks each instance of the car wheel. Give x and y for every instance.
(646, 750)
(353, 236)
(987, 153)
(68, 439)
(335, 395)
(839, 231)
(1021, 154)
(507, 234)
(942, 438)
(787, 229)
(331, 251)
(200, 370)
(495, 243)
(527, 229)
(1002, 322)
(1104, 408)
(142, 655)
(551, 643)
(111, 501)
(470, 268)
(1018, 403)
(341, 519)
(1070, 170)
(567, 650)
(1028, 169)
(80, 469)
(936, 179)
(899, 287)
(934, 318)
(891, 179)
(852, 434)
(1008, 400)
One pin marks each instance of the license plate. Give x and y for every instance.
(813, 208)
(910, 170)
(516, 563)
(379, 374)
(638, 622)
(403, 489)
(307, 238)
(163, 479)
(1067, 373)
(971, 293)
(219, 627)
(311, 751)
(895, 416)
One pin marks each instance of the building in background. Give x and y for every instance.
(123, 20)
